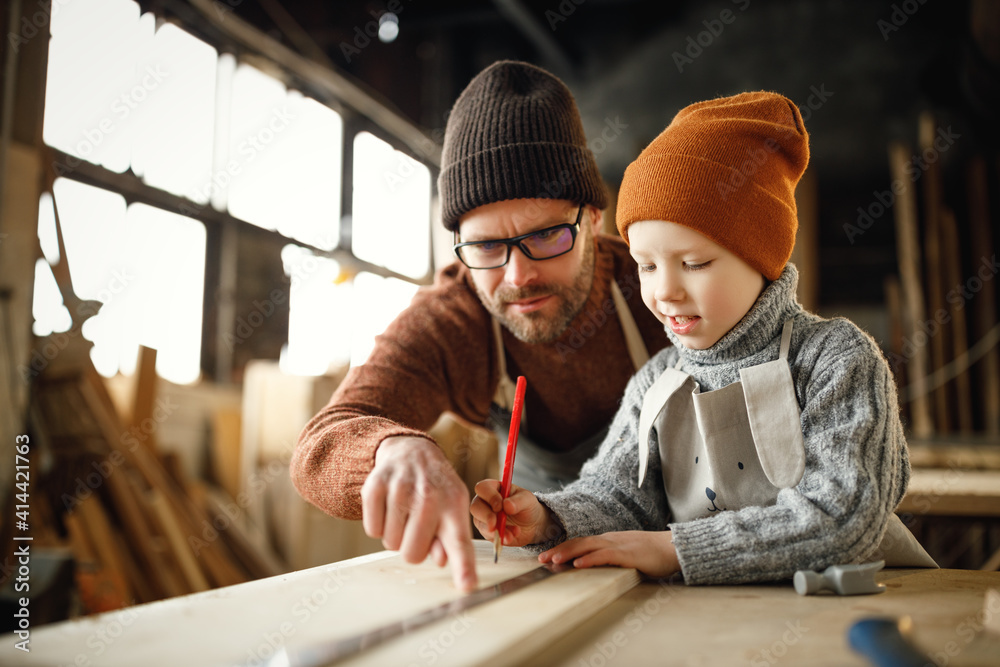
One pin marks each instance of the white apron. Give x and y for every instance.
(738, 446)
(536, 468)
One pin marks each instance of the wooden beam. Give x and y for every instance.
(145, 394)
(908, 251)
(934, 270)
(961, 385)
(984, 312)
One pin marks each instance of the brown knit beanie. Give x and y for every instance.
(515, 132)
(726, 168)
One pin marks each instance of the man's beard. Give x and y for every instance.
(537, 327)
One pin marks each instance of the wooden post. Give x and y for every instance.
(984, 312)
(908, 251)
(959, 335)
(894, 304)
(934, 267)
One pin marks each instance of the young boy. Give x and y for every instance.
(775, 434)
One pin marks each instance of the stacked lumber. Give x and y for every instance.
(139, 529)
(942, 307)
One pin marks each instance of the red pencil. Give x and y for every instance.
(508, 463)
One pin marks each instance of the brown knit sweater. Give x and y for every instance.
(439, 355)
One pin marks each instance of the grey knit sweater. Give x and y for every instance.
(856, 471)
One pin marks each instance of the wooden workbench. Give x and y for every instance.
(585, 617)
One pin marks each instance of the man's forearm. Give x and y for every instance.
(334, 456)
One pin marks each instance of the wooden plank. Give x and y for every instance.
(169, 574)
(225, 449)
(894, 306)
(138, 581)
(150, 560)
(103, 540)
(653, 623)
(910, 271)
(100, 587)
(508, 634)
(952, 492)
(178, 545)
(962, 383)
(215, 558)
(984, 313)
(955, 453)
(247, 622)
(145, 395)
(934, 269)
(658, 624)
(259, 563)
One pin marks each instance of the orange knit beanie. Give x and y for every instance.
(726, 168)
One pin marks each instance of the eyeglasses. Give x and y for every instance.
(543, 244)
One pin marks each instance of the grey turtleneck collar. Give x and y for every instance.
(751, 335)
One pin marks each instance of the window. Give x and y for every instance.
(137, 96)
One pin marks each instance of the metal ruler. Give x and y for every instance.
(319, 655)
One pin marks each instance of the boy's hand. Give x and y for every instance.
(652, 553)
(528, 520)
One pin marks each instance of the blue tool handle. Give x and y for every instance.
(880, 640)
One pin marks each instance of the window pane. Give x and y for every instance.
(391, 207)
(47, 307)
(97, 85)
(377, 302)
(47, 229)
(173, 147)
(319, 324)
(285, 158)
(147, 268)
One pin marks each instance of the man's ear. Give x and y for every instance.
(596, 217)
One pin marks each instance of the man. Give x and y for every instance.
(537, 292)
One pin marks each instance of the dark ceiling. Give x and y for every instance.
(860, 71)
(873, 64)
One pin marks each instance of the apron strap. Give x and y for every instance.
(637, 352)
(633, 339)
(786, 339)
(506, 389)
(653, 404)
